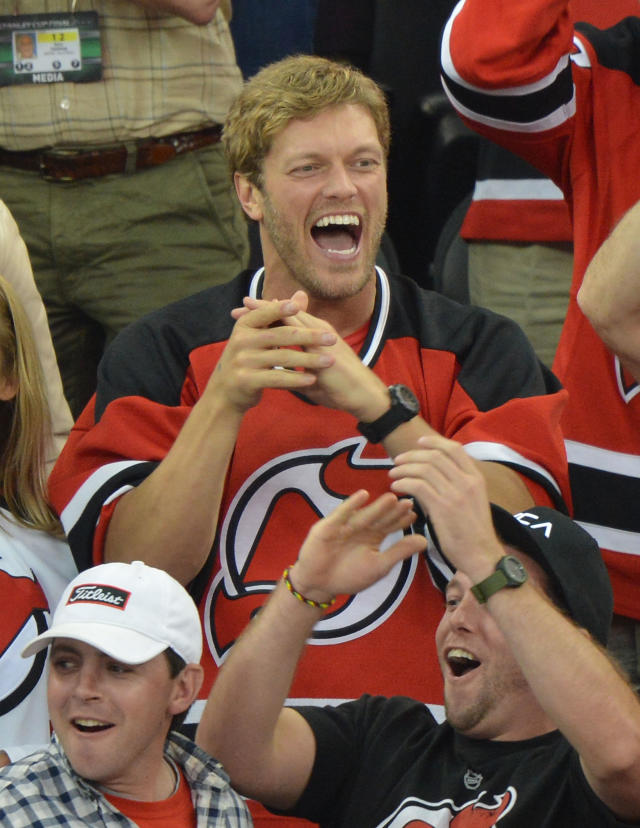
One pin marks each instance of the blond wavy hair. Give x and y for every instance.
(295, 87)
(25, 423)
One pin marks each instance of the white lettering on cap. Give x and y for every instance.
(527, 518)
(99, 594)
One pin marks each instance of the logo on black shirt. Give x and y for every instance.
(472, 780)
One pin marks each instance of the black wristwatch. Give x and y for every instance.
(509, 573)
(404, 407)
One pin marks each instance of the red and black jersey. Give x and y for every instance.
(568, 101)
(514, 201)
(477, 380)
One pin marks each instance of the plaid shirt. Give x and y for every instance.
(43, 790)
(161, 74)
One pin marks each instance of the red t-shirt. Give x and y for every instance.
(177, 811)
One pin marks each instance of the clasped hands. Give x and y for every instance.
(278, 344)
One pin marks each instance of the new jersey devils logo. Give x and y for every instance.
(416, 813)
(280, 500)
(23, 615)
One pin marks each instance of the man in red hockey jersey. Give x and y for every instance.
(567, 99)
(216, 440)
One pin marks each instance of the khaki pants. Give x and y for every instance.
(528, 283)
(107, 250)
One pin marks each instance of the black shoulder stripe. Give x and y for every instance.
(149, 358)
(587, 487)
(497, 361)
(618, 47)
(80, 537)
(519, 109)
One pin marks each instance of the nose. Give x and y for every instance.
(339, 183)
(461, 616)
(87, 683)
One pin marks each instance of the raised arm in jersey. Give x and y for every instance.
(610, 292)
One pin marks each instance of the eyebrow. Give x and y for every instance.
(452, 585)
(58, 647)
(312, 155)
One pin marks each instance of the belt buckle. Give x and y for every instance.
(47, 172)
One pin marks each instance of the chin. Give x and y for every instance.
(346, 280)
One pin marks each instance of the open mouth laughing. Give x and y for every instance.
(461, 661)
(90, 725)
(338, 233)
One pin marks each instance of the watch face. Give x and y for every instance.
(406, 398)
(514, 570)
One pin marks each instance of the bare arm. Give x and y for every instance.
(170, 519)
(591, 703)
(199, 12)
(269, 750)
(610, 292)
(573, 680)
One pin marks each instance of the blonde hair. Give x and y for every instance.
(295, 87)
(25, 422)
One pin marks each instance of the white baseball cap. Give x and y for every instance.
(130, 611)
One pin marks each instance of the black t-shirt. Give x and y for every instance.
(387, 763)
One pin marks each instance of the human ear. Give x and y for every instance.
(249, 196)
(8, 388)
(186, 687)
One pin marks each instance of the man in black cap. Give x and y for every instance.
(541, 729)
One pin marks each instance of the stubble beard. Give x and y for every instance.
(465, 718)
(282, 236)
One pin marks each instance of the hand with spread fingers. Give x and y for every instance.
(341, 554)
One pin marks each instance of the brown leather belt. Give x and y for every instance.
(72, 165)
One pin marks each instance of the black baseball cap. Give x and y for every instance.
(567, 553)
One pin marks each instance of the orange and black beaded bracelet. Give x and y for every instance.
(308, 601)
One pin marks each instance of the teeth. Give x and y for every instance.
(91, 725)
(458, 653)
(348, 252)
(461, 661)
(338, 219)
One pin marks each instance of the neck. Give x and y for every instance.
(527, 723)
(164, 786)
(346, 314)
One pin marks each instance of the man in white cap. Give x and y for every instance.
(124, 669)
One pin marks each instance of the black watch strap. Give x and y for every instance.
(404, 407)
